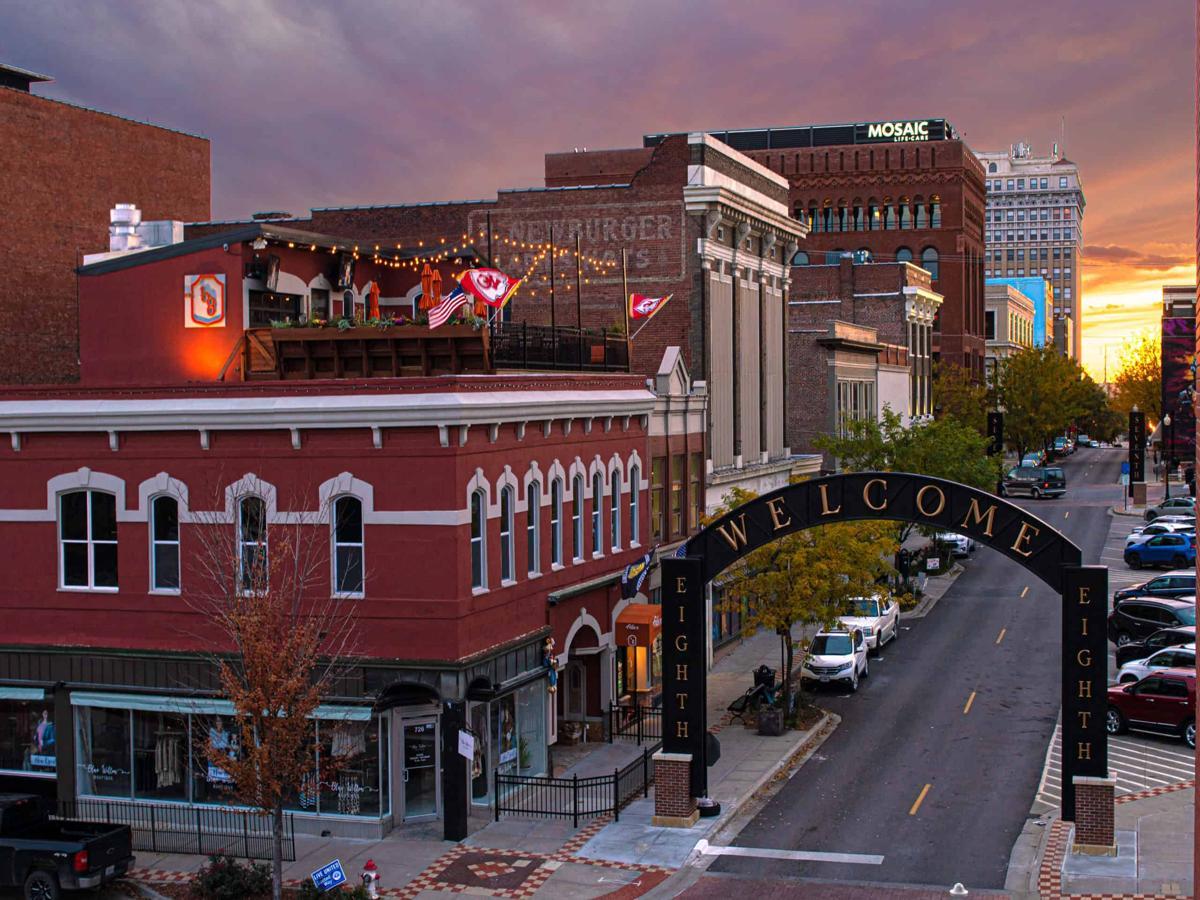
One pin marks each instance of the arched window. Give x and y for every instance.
(929, 262)
(87, 538)
(533, 526)
(597, 513)
(991, 168)
(556, 513)
(348, 547)
(800, 259)
(507, 559)
(614, 511)
(935, 213)
(635, 482)
(833, 257)
(919, 216)
(253, 563)
(577, 518)
(164, 544)
(903, 254)
(478, 540)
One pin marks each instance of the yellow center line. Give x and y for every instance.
(1025, 591)
(920, 799)
(1067, 514)
(1003, 631)
(970, 700)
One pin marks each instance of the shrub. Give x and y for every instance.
(224, 878)
(308, 891)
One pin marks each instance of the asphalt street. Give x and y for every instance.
(939, 755)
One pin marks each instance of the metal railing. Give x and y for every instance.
(524, 346)
(638, 723)
(575, 798)
(176, 828)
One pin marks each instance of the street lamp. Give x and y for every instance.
(1167, 434)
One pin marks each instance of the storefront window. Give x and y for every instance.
(27, 736)
(481, 765)
(103, 753)
(210, 782)
(531, 729)
(677, 476)
(349, 767)
(504, 730)
(160, 755)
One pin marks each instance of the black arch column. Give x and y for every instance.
(685, 697)
(1084, 681)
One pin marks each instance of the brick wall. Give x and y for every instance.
(64, 168)
(672, 787)
(1094, 812)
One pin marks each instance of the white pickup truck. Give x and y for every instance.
(878, 618)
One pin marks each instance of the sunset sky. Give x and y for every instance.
(321, 104)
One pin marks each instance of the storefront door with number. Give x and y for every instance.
(420, 775)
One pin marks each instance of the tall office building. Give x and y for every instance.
(1034, 226)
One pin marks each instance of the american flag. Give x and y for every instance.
(449, 305)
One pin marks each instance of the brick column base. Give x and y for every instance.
(1094, 830)
(1139, 493)
(674, 805)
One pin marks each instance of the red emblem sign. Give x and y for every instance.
(204, 301)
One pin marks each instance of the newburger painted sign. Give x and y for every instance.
(898, 132)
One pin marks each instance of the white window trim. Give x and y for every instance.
(578, 537)
(241, 542)
(533, 526)
(508, 524)
(154, 542)
(614, 511)
(89, 542)
(556, 523)
(597, 514)
(481, 493)
(635, 496)
(333, 548)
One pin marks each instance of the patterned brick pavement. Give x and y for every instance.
(1050, 873)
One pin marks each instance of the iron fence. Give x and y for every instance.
(561, 347)
(638, 723)
(575, 798)
(175, 828)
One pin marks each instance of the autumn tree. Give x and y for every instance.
(1042, 393)
(279, 645)
(807, 577)
(1139, 376)
(958, 393)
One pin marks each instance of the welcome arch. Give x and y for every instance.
(946, 505)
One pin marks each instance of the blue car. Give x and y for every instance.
(1175, 550)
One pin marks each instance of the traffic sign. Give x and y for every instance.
(1125, 468)
(329, 876)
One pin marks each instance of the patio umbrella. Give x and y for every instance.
(373, 301)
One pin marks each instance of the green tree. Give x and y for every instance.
(1042, 393)
(1139, 378)
(807, 578)
(958, 393)
(1098, 419)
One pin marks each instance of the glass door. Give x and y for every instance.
(420, 776)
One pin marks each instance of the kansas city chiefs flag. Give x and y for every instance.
(643, 307)
(490, 286)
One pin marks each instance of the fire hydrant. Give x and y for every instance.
(370, 878)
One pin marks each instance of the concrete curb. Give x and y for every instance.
(929, 601)
(695, 866)
(1025, 861)
(1133, 513)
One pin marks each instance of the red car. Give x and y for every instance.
(1163, 702)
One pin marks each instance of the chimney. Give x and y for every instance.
(124, 219)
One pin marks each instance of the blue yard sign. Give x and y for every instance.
(1125, 467)
(329, 876)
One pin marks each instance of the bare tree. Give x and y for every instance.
(279, 644)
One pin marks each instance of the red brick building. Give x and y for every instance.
(531, 491)
(902, 191)
(65, 166)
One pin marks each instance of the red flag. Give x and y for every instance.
(643, 307)
(489, 286)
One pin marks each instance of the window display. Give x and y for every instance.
(348, 768)
(103, 765)
(211, 783)
(27, 736)
(160, 755)
(510, 736)
(481, 765)
(531, 729)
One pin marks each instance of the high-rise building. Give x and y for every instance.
(1034, 226)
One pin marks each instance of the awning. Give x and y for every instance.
(21, 693)
(202, 706)
(638, 625)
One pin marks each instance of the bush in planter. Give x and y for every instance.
(224, 878)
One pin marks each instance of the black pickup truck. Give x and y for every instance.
(45, 856)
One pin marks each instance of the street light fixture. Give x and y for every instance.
(1167, 444)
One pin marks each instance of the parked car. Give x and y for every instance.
(1163, 702)
(1083, 440)
(1142, 532)
(1035, 482)
(1169, 658)
(1064, 446)
(1179, 583)
(1185, 505)
(45, 856)
(961, 545)
(1176, 550)
(1034, 458)
(1164, 637)
(837, 657)
(1137, 618)
(877, 617)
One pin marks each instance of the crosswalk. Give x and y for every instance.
(1138, 762)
